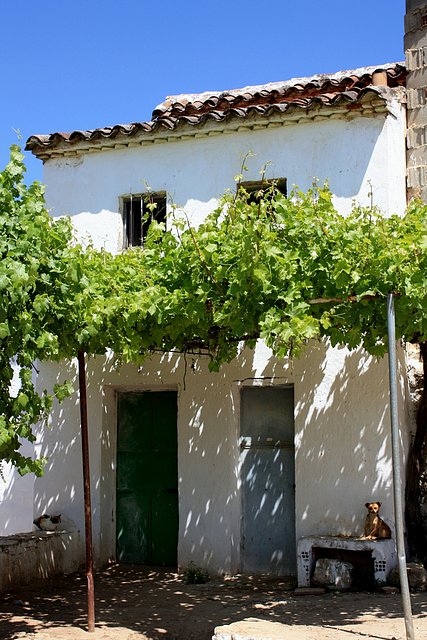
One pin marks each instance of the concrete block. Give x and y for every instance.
(416, 137)
(417, 117)
(411, 22)
(417, 177)
(417, 78)
(414, 59)
(412, 5)
(416, 97)
(415, 39)
(417, 157)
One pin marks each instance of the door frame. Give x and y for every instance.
(108, 471)
(267, 382)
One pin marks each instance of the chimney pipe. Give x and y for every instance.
(379, 78)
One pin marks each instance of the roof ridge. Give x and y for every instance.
(291, 82)
(322, 90)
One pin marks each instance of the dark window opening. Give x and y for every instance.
(362, 561)
(257, 188)
(138, 213)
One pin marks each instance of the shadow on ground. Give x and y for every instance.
(156, 604)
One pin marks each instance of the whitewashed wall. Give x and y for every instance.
(342, 443)
(355, 156)
(16, 492)
(343, 453)
(16, 498)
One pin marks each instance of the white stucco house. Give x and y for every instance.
(227, 470)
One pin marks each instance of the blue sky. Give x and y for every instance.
(84, 64)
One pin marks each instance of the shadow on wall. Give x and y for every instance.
(342, 449)
(16, 497)
(60, 489)
(238, 490)
(343, 442)
(16, 492)
(23, 497)
(342, 453)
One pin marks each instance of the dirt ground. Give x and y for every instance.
(141, 603)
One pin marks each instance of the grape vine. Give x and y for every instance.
(287, 270)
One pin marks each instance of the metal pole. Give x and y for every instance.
(397, 481)
(86, 490)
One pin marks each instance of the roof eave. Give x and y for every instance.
(372, 102)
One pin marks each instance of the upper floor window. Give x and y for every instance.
(256, 188)
(138, 213)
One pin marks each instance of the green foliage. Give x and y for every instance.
(195, 575)
(287, 270)
(36, 293)
(55, 299)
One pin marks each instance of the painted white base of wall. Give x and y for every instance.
(26, 557)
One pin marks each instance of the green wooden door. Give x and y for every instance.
(147, 478)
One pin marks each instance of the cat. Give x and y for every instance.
(48, 523)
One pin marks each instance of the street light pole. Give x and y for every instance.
(397, 479)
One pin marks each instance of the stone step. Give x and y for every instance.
(252, 629)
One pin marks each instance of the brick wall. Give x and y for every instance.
(416, 62)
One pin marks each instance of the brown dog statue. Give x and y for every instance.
(375, 527)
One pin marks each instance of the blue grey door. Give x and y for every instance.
(267, 468)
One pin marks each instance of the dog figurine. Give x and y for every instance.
(375, 527)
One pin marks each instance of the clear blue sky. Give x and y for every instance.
(82, 64)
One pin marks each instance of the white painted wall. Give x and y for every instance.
(16, 492)
(16, 498)
(343, 453)
(355, 156)
(343, 456)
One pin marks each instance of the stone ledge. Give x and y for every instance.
(18, 538)
(251, 629)
(25, 557)
(383, 554)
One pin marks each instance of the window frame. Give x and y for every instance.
(253, 186)
(139, 227)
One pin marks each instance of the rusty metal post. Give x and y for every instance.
(86, 490)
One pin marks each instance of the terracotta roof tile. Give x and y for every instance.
(194, 110)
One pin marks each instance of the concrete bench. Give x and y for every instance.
(25, 557)
(383, 553)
